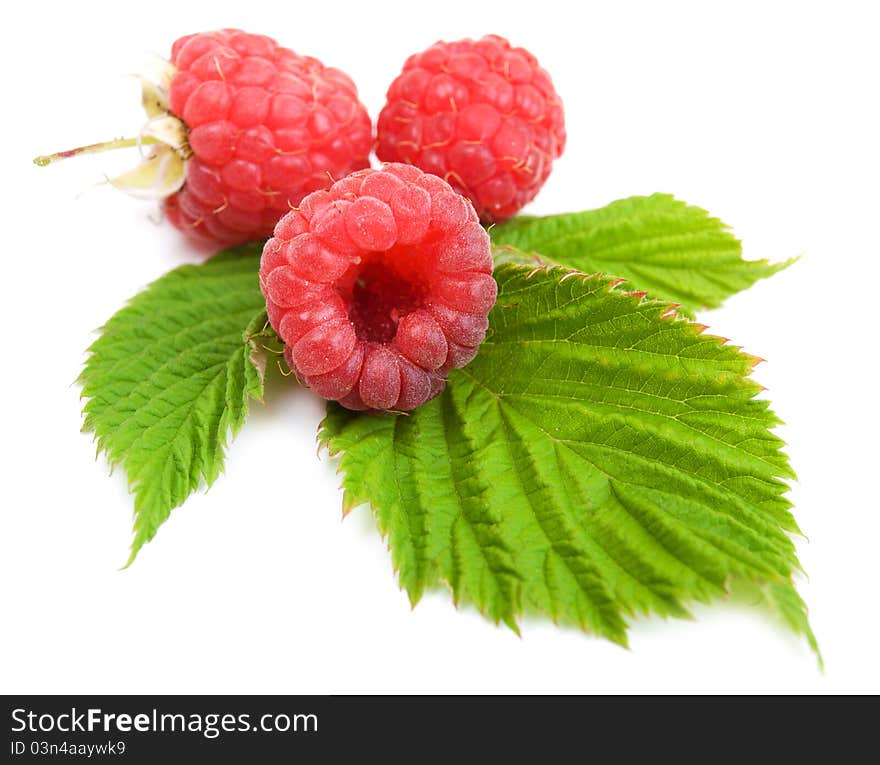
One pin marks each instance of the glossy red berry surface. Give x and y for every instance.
(482, 115)
(379, 286)
(265, 126)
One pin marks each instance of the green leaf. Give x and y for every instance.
(170, 377)
(670, 249)
(600, 458)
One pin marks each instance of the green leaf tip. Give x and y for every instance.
(169, 379)
(673, 250)
(601, 458)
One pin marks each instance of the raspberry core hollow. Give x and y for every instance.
(379, 286)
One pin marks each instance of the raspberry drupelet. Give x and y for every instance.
(481, 114)
(379, 286)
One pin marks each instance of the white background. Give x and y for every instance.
(765, 113)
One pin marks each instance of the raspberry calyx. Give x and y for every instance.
(378, 286)
(161, 170)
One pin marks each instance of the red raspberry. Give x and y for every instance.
(379, 286)
(242, 130)
(482, 115)
(266, 127)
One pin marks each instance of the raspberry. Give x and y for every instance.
(482, 115)
(245, 129)
(379, 286)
